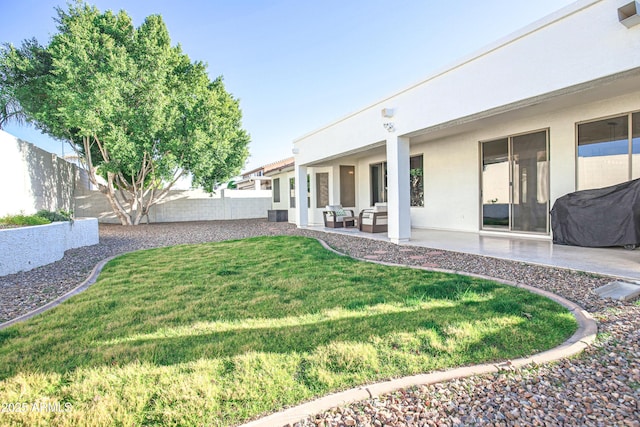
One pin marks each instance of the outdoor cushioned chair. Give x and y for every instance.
(373, 220)
(334, 216)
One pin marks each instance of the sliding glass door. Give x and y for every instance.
(495, 184)
(530, 176)
(515, 183)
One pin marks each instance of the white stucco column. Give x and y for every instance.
(398, 191)
(302, 211)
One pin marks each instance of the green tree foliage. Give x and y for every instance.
(9, 109)
(137, 110)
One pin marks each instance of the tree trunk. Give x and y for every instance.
(141, 199)
(116, 206)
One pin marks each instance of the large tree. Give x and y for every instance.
(137, 110)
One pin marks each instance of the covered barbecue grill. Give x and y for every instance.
(601, 217)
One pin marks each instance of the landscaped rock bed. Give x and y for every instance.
(601, 387)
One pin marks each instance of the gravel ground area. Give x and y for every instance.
(601, 387)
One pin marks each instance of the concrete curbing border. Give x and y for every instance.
(90, 280)
(581, 339)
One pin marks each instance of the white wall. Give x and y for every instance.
(25, 248)
(283, 177)
(186, 205)
(32, 179)
(451, 185)
(283, 204)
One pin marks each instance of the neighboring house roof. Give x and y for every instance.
(279, 166)
(262, 170)
(262, 173)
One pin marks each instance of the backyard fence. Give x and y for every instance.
(185, 205)
(33, 179)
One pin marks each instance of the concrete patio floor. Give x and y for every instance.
(618, 262)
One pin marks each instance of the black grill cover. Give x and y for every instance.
(602, 217)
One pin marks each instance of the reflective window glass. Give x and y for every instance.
(416, 176)
(603, 153)
(635, 146)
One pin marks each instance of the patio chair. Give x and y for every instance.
(336, 216)
(373, 220)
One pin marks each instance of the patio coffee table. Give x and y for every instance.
(346, 219)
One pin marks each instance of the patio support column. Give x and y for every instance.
(302, 211)
(398, 191)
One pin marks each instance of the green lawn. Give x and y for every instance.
(218, 333)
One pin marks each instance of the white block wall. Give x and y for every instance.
(25, 248)
(33, 179)
(187, 205)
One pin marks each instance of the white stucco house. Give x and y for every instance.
(488, 144)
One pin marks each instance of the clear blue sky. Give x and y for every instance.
(297, 65)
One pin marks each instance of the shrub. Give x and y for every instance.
(54, 216)
(24, 220)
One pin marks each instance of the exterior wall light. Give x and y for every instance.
(390, 127)
(388, 113)
(628, 14)
(295, 150)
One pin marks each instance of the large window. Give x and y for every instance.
(416, 176)
(416, 181)
(292, 192)
(635, 146)
(276, 190)
(378, 183)
(322, 190)
(608, 151)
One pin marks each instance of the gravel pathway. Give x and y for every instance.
(601, 387)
